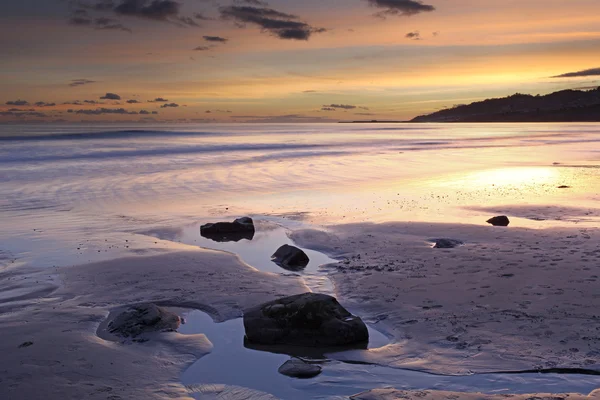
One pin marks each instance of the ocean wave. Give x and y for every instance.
(117, 134)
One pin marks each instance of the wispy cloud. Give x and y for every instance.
(80, 82)
(400, 7)
(585, 72)
(110, 96)
(279, 24)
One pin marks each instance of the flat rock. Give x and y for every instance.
(143, 318)
(241, 228)
(290, 257)
(309, 319)
(501, 220)
(296, 368)
(446, 243)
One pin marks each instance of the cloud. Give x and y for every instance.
(400, 7)
(22, 113)
(104, 23)
(188, 21)
(202, 17)
(282, 25)
(413, 35)
(158, 100)
(328, 109)
(309, 91)
(80, 82)
(100, 111)
(100, 5)
(585, 72)
(146, 112)
(252, 2)
(202, 48)
(167, 105)
(110, 96)
(160, 10)
(342, 106)
(80, 21)
(133, 101)
(281, 118)
(157, 10)
(217, 39)
(44, 104)
(17, 103)
(361, 113)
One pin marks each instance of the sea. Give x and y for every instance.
(61, 185)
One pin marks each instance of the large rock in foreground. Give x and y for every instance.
(143, 318)
(501, 220)
(308, 319)
(290, 257)
(241, 228)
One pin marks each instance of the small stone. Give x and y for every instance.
(142, 319)
(501, 220)
(290, 257)
(446, 243)
(241, 228)
(25, 344)
(296, 368)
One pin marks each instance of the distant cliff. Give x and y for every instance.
(562, 106)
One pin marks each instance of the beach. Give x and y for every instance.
(96, 219)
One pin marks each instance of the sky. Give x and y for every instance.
(283, 60)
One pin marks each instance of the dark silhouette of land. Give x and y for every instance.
(562, 106)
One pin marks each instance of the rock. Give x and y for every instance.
(308, 319)
(143, 318)
(296, 368)
(290, 257)
(241, 228)
(564, 187)
(446, 243)
(25, 344)
(499, 221)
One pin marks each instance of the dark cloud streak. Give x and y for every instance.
(400, 7)
(279, 24)
(583, 73)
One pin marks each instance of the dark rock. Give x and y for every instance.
(564, 187)
(25, 344)
(290, 257)
(308, 319)
(143, 318)
(241, 228)
(446, 243)
(499, 221)
(296, 368)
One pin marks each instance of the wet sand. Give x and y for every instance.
(67, 360)
(509, 299)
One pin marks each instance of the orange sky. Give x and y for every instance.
(460, 51)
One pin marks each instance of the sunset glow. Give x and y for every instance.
(214, 64)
